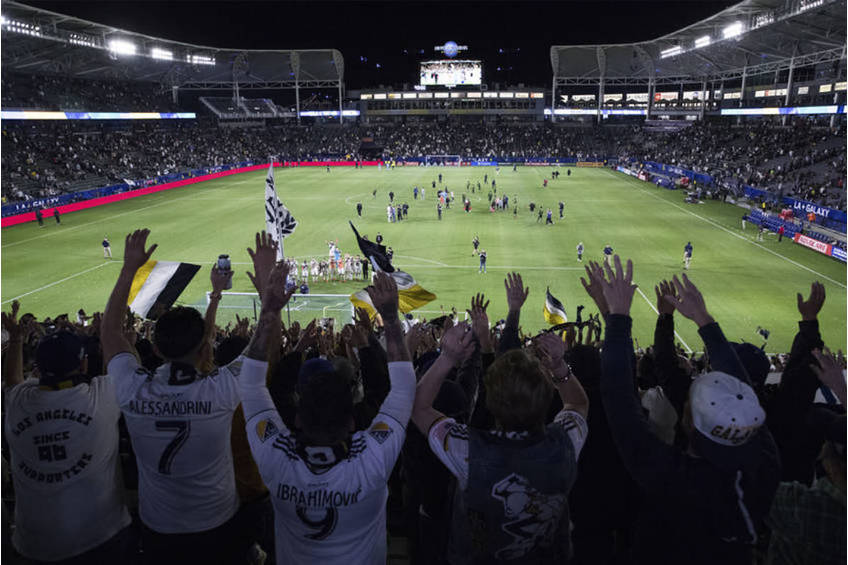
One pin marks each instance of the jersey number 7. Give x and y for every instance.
(183, 428)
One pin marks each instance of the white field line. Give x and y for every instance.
(736, 235)
(654, 308)
(61, 281)
(66, 230)
(422, 259)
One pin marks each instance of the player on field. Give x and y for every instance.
(561, 208)
(687, 255)
(328, 485)
(179, 419)
(549, 217)
(107, 248)
(580, 251)
(391, 196)
(476, 243)
(40, 217)
(607, 253)
(304, 271)
(544, 183)
(56, 216)
(439, 209)
(483, 257)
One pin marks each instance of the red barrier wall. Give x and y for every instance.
(73, 207)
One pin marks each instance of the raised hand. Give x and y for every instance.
(308, 337)
(219, 279)
(264, 259)
(457, 343)
(662, 290)
(689, 301)
(618, 287)
(809, 309)
(384, 296)
(10, 322)
(516, 294)
(480, 321)
(135, 254)
(829, 371)
(361, 328)
(551, 350)
(595, 274)
(274, 296)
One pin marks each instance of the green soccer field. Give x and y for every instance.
(57, 269)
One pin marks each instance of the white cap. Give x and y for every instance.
(724, 409)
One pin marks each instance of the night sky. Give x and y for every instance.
(383, 41)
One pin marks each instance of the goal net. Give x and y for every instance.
(302, 308)
(442, 160)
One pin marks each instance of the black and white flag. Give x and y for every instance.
(279, 222)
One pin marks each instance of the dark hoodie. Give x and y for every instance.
(695, 510)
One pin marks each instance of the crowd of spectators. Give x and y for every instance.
(799, 160)
(46, 159)
(266, 443)
(58, 92)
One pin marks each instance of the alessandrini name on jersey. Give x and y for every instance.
(170, 407)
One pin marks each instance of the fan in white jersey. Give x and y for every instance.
(328, 486)
(517, 482)
(62, 432)
(179, 419)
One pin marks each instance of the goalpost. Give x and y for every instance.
(442, 160)
(302, 308)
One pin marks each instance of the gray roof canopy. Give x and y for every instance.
(772, 33)
(40, 41)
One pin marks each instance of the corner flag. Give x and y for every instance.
(279, 222)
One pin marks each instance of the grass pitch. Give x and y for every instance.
(746, 284)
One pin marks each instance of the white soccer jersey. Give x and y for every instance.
(449, 441)
(181, 437)
(64, 460)
(328, 513)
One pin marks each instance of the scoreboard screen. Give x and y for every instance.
(451, 73)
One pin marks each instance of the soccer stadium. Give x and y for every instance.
(325, 298)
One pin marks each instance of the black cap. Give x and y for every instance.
(59, 355)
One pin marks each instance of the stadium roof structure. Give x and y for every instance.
(749, 38)
(40, 41)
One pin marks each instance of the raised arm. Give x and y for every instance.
(457, 344)
(830, 372)
(674, 380)
(651, 463)
(219, 281)
(516, 294)
(270, 283)
(690, 303)
(552, 350)
(112, 338)
(13, 368)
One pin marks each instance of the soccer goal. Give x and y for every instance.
(442, 160)
(302, 308)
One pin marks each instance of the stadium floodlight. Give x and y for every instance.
(200, 59)
(703, 41)
(671, 52)
(121, 47)
(732, 30)
(161, 54)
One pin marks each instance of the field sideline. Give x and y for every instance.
(746, 284)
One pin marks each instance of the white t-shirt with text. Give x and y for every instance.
(181, 437)
(64, 460)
